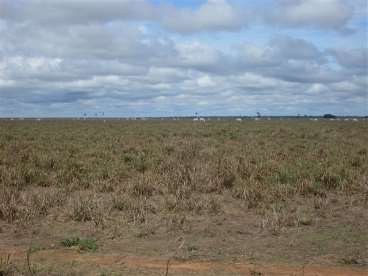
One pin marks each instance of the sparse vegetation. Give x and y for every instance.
(82, 244)
(163, 178)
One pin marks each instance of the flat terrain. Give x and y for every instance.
(279, 197)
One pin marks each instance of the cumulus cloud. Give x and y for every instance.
(327, 14)
(212, 15)
(352, 58)
(76, 12)
(146, 58)
(286, 47)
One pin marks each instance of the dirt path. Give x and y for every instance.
(118, 262)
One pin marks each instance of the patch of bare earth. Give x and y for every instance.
(88, 262)
(231, 243)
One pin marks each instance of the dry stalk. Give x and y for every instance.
(174, 254)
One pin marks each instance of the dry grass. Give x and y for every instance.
(93, 171)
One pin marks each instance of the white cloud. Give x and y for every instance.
(206, 82)
(197, 54)
(212, 15)
(328, 14)
(352, 58)
(317, 88)
(66, 56)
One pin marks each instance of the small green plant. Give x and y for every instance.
(109, 273)
(255, 273)
(82, 244)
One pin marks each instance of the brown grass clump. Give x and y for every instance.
(165, 171)
(88, 207)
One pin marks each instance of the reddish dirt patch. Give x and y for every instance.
(117, 262)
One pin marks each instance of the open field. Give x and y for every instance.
(123, 197)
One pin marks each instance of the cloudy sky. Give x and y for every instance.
(178, 57)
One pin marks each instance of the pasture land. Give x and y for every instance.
(253, 192)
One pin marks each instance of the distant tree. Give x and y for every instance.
(329, 116)
(258, 114)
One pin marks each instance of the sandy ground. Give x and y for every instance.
(94, 263)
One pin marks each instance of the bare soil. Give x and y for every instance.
(230, 243)
(135, 265)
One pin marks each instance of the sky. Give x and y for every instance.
(134, 58)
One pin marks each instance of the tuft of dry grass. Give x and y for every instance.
(7, 268)
(165, 171)
(88, 207)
